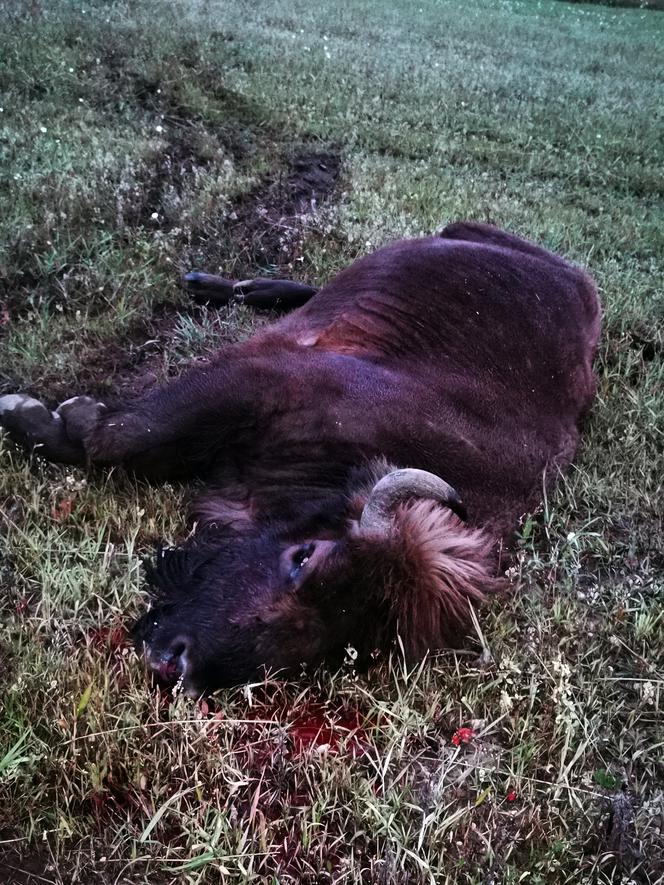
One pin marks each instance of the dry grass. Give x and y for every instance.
(140, 139)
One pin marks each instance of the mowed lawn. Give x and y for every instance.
(139, 139)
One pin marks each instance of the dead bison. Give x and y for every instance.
(338, 445)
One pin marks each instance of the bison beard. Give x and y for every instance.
(338, 444)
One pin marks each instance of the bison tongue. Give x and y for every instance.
(167, 671)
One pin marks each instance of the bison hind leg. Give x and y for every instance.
(261, 293)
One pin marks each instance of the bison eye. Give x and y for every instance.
(299, 558)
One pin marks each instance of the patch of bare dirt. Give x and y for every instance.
(124, 366)
(266, 228)
(36, 866)
(133, 364)
(30, 868)
(33, 866)
(269, 220)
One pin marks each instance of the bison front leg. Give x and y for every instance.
(174, 431)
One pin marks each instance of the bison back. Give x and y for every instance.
(519, 318)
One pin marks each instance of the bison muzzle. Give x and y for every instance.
(365, 457)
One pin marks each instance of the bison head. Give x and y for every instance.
(404, 563)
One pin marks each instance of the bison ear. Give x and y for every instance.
(429, 567)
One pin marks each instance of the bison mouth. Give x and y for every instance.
(169, 666)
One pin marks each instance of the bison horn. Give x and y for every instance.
(399, 486)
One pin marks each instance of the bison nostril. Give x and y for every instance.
(173, 662)
(177, 650)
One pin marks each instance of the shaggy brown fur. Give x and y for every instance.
(432, 567)
(452, 566)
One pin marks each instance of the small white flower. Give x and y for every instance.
(159, 128)
(155, 216)
(43, 129)
(648, 693)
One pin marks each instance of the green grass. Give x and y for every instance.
(139, 139)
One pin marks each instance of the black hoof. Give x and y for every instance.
(32, 425)
(206, 288)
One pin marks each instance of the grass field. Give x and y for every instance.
(139, 139)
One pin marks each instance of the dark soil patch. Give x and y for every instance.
(30, 868)
(35, 866)
(269, 218)
(312, 179)
(134, 364)
(266, 225)
(122, 366)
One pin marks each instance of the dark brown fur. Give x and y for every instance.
(467, 354)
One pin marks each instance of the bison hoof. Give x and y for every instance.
(48, 433)
(80, 414)
(25, 416)
(207, 288)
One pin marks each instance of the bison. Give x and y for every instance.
(365, 456)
